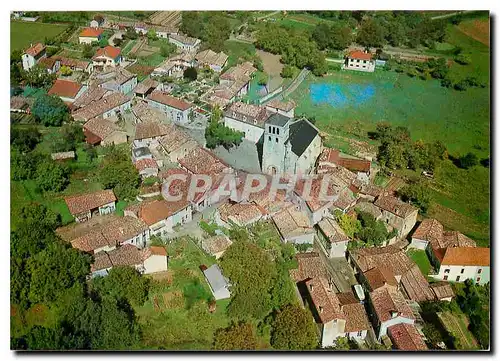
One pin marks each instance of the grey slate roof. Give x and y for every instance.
(215, 278)
(302, 134)
(278, 120)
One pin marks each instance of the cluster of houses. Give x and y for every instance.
(381, 307)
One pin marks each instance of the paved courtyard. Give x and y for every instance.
(244, 157)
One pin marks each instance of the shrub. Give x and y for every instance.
(463, 59)
(468, 161)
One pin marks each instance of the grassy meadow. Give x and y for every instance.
(22, 34)
(346, 105)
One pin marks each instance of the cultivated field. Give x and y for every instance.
(457, 326)
(478, 29)
(22, 34)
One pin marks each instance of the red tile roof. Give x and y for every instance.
(357, 54)
(324, 300)
(65, 88)
(202, 161)
(152, 129)
(86, 202)
(155, 251)
(416, 286)
(109, 51)
(163, 98)
(126, 255)
(158, 210)
(389, 303)
(47, 62)
(35, 50)
(406, 337)
(91, 32)
(442, 290)
(380, 276)
(466, 256)
(146, 163)
(395, 206)
(309, 266)
(356, 318)
(100, 127)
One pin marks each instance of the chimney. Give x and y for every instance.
(311, 287)
(320, 309)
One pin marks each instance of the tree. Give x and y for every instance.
(50, 110)
(371, 33)
(418, 194)
(38, 77)
(65, 70)
(130, 33)
(24, 166)
(293, 329)
(25, 139)
(396, 33)
(151, 34)
(217, 134)
(117, 41)
(349, 225)
(118, 172)
(71, 136)
(335, 36)
(123, 283)
(167, 49)
(236, 337)
(51, 176)
(467, 161)
(87, 51)
(288, 71)
(262, 79)
(190, 74)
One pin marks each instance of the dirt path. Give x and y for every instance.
(268, 15)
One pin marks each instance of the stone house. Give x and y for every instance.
(33, 55)
(294, 226)
(216, 245)
(397, 214)
(100, 131)
(184, 42)
(116, 79)
(211, 59)
(177, 109)
(84, 206)
(284, 108)
(331, 158)
(406, 337)
(332, 238)
(155, 259)
(108, 106)
(239, 214)
(176, 144)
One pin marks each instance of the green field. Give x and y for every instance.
(236, 49)
(457, 325)
(22, 34)
(420, 258)
(347, 105)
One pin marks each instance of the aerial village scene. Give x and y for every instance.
(250, 180)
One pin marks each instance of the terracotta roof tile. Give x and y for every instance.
(101, 261)
(86, 202)
(324, 300)
(292, 222)
(101, 127)
(216, 244)
(202, 161)
(284, 106)
(91, 95)
(108, 51)
(146, 85)
(442, 290)
(165, 99)
(147, 163)
(91, 33)
(65, 88)
(47, 62)
(248, 113)
(466, 256)
(126, 255)
(332, 230)
(101, 106)
(309, 266)
(416, 285)
(176, 139)
(154, 211)
(35, 50)
(406, 337)
(357, 54)
(395, 206)
(210, 57)
(391, 257)
(240, 213)
(150, 129)
(72, 63)
(379, 277)
(356, 318)
(388, 303)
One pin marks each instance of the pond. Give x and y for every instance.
(341, 95)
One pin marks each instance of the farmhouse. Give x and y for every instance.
(431, 234)
(397, 214)
(116, 79)
(294, 225)
(155, 259)
(109, 56)
(216, 245)
(290, 146)
(84, 206)
(247, 118)
(458, 264)
(33, 55)
(184, 42)
(284, 108)
(67, 90)
(100, 131)
(74, 64)
(211, 59)
(219, 285)
(177, 109)
(113, 104)
(90, 35)
(105, 233)
(360, 61)
(332, 238)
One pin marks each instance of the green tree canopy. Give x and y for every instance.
(117, 172)
(50, 110)
(51, 176)
(236, 337)
(293, 329)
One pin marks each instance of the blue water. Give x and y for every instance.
(340, 96)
